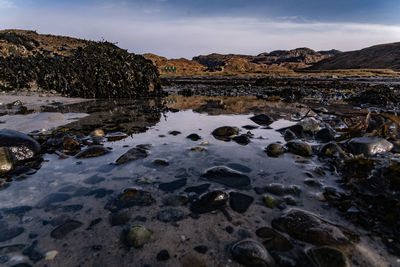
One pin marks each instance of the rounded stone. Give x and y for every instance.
(251, 253)
(138, 236)
(274, 150)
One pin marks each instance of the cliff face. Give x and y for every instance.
(385, 56)
(73, 67)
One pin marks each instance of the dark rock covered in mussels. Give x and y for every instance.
(21, 145)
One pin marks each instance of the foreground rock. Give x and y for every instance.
(21, 145)
(225, 133)
(138, 236)
(369, 145)
(310, 228)
(226, 176)
(250, 253)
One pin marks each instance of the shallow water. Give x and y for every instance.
(69, 178)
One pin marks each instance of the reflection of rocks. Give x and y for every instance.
(126, 116)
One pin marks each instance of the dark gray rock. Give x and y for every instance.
(21, 145)
(240, 202)
(64, 229)
(325, 135)
(172, 186)
(242, 139)
(326, 256)
(369, 145)
(226, 176)
(120, 218)
(129, 198)
(211, 201)
(262, 119)
(32, 253)
(199, 189)
(131, 155)
(163, 255)
(53, 198)
(92, 151)
(274, 240)
(250, 253)
(9, 233)
(193, 137)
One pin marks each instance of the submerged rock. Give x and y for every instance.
(240, 202)
(271, 202)
(199, 189)
(262, 119)
(7, 160)
(132, 154)
(193, 137)
(250, 253)
(225, 133)
(211, 201)
(281, 190)
(170, 215)
(138, 236)
(369, 145)
(163, 255)
(64, 229)
(274, 150)
(310, 228)
(129, 198)
(9, 233)
(172, 186)
(226, 176)
(21, 145)
(274, 240)
(92, 151)
(299, 148)
(326, 256)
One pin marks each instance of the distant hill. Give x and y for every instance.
(73, 67)
(384, 56)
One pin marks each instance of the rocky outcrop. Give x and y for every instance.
(73, 67)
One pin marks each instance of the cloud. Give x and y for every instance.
(188, 37)
(5, 4)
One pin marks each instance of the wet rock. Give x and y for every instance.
(32, 253)
(138, 236)
(289, 135)
(170, 215)
(20, 210)
(112, 137)
(93, 223)
(9, 233)
(310, 228)
(163, 255)
(99, 192)
(95, 179)
(325, 135)
(97, 132)
(262, 119)
(250, 127)
(132, 154)
(274, 150)
(92, 151)
(129, 198)
(331, 150)
(69, 208)
(191, 260)
(174, 133)
(7, 160)
(199, 189)
(281, 190)
(24, 264)
(240, 202)
(239, 167)
(201, 249)
(53, 198)
(64, 229)
(172, 186)
(250, 253)
(194, 137)
(271, 202)
(198, 149)
(21, 145)
(4, 259)
(275, 240)
(11, 248)
(309, 125)
(226, 176)
(211, 201)
(225, 133)
(300, 148)
(312, 182)
(161, 162)
(242, 139)
(175, 200)
(326, 256)
(120, 218)
(369, 145)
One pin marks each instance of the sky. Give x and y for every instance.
(179, 28)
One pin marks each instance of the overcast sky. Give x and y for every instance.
(179, 28)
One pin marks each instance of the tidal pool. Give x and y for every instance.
(61, 209)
